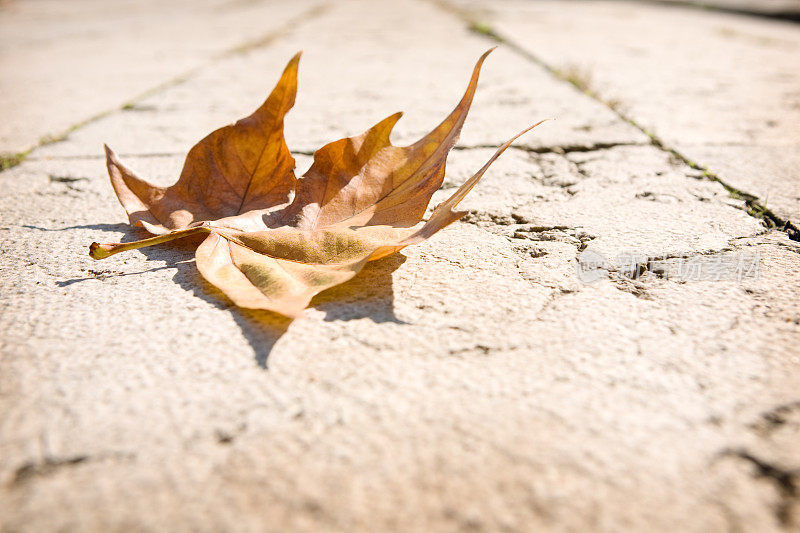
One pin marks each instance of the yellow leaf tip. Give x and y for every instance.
(291, 68)
(96, 251)
(294, 62)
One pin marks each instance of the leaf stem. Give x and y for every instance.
(101, 251)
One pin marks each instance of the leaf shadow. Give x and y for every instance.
(368, 295)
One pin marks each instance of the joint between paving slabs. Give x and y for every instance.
(776, 14)
(755, 207)
(559, 150)
(10, 160)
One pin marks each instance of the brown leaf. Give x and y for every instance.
(362, 199)
(241, 168)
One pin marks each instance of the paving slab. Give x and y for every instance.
(66, 62)
(512, 95)
(720, 88)
(477, 381)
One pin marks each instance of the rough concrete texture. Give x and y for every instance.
(65, 62)
(720, 88)
(473, 382)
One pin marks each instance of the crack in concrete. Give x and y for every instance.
(785, 480)
(554, 296)
(50, 465)
(755, 207)
(775, 418)
(45, 467)
(560, 150)
(568, 234)
(657, 264)
(518, 227)
(477, 217)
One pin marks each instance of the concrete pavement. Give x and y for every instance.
(66, 62)
(719, 88)
(484, 380)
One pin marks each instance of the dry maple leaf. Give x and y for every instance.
(361, 200)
